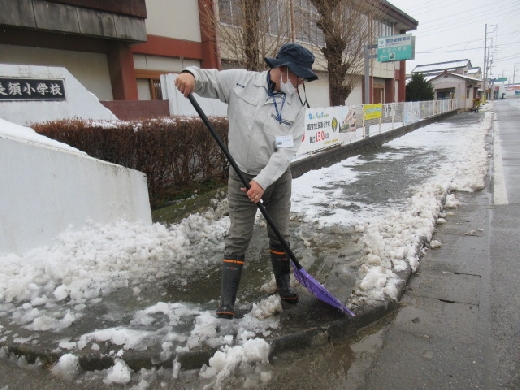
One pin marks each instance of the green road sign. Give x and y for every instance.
(395, 48)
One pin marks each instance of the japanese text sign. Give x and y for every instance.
(31, 89)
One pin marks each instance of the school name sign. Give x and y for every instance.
(31, 89)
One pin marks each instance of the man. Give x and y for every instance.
(266, 128)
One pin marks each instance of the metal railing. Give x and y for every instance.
(395, 115)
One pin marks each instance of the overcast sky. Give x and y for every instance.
(455, 30)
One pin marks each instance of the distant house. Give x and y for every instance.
(475, 72)
(456, 79)
(450, 85)
(462, 67)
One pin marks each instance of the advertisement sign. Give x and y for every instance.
(395, 48)
(326, 127)
(372, 111)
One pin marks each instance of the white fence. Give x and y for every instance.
(332, 126)
(328, 126)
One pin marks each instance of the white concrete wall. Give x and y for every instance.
(385, 70)
(44, 190)
(317, 91)
(177, 19)
(179, 105)
(79, 103)
(356, 96)
(91, 69)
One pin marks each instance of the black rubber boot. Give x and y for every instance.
(282, 274)
(231, 274)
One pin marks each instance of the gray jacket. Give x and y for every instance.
(253, 125)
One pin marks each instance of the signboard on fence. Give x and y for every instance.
(395, 48)
(372, 111)
(328, 126)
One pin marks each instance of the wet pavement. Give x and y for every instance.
(309, 324)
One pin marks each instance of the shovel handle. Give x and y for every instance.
(243, 179)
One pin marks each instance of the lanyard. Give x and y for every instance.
(273, 95)
(279, 113)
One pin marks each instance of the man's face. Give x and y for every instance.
(295, 80)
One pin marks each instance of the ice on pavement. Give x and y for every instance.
(48, 288)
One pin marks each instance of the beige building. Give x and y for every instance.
(118, 49)
(450, 85)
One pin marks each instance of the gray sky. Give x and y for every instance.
(455, 30)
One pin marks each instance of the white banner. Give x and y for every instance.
(326, 127)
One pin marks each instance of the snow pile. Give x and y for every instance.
(119, 373)
(56, 283)
(19, 132)
(394, 242)
(245, 351)
(67, 367)
(472, 164)
(228, 359)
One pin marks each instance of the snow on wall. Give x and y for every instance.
(45, 189)
(79, 103)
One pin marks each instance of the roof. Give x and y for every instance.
(456, 75)
(441, 66)
(402, 20)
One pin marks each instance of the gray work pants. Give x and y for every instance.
(242, 211)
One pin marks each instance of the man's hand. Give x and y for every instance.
(254, 193)
(185, 83)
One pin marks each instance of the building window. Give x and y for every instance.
(152, 79)
(305, 17)
(230, 12)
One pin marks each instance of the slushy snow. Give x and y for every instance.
(49, 288)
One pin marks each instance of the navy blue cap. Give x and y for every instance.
(297, 58)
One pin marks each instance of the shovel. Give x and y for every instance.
(300, 274)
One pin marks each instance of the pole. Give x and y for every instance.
(368, 56)
(367, 75)
(485, 61)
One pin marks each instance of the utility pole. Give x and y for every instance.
(514, 71)
(485, 61)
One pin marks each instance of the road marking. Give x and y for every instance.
(499, 185)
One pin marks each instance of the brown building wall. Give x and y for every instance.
(128, 110)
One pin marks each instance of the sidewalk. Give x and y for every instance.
(309, 323)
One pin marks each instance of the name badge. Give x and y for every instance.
(284, 141)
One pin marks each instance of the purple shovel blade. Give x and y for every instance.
(318, 290)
